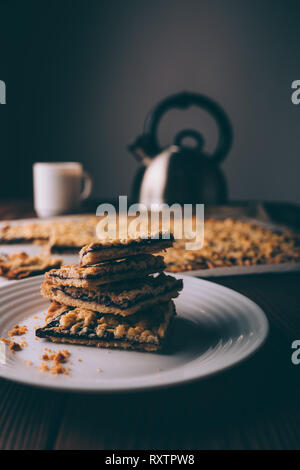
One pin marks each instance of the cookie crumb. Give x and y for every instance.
(18, 330)
(14, 347)
(61, 356)
(6, 341)
(58, 368)
(44, 367)
(58, 358)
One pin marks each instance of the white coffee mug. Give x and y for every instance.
(59, 187)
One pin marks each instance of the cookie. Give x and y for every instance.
(73, 235)
(109, 249)
(145, 331)
(118, 270)
(21, 265)
(122, 298)
(232, 242)
(26, 233)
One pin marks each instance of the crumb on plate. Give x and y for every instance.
(18, 330)
(14, 347)
(58, 358)
(58, 368)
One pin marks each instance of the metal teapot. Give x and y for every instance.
(180, 173)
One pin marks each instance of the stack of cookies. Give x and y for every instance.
(118, 297)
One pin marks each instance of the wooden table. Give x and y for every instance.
(253, 406)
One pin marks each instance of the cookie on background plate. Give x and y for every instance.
(72, 235)
(26, 233)
(21, 265)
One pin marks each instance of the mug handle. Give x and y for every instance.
(87, 186)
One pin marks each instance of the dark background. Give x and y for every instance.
(81, 76)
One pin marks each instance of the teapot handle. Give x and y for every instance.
(183, 101)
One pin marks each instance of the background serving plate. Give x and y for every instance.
(215, 328)
(72, 258)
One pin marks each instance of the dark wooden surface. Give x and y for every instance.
(253, 406)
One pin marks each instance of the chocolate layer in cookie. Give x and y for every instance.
(104, 273)
(108, 249)
(146, 330)
(123, 298)
(21, 265)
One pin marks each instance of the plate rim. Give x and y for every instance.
(63, 387)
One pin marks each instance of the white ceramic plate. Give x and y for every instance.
(215, 329)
